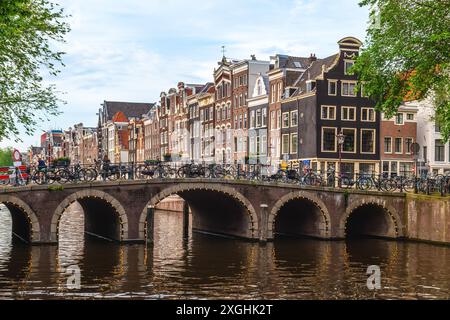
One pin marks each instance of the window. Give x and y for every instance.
(294, 118)
(367, 141)
(279, 92)
(349, 140)
(408, 144)
(367, 168)
(245, 121)
(252, 119)
(279, 119)
(273, 93)
(387, 145)
(348, 113)
(437, 127)
(410, 116)
(438, 151)
(399, 119)
(398, 145)
(273, 120)
(285, 144)
(294, 143)
(264, 117)
(348, 89)
(263, 144)
(328, 113)
(368, 114)
(348, 64)
(258, 118)
(329, 139)
(425, 154)
(252, 145)
(332, 87)
(286, 120)
(310, 85)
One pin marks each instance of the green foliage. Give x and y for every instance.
(55, 188)
(6, 157)
(407, 55)
(29, 32)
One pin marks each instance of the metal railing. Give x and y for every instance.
(147, 170)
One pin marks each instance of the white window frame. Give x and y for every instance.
(374, 141)
(291, 122)
(384, 145)
(290, 143)
(335, 89)
(282, 144)
(328, 112)
(355, 141)
(335, 140)
(343, 83)
(395, 145)
(282, 120)
(345, 65)
(348, 108)
(368, 114)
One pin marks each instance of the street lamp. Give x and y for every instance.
(341, 140)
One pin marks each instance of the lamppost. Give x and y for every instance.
(341, 140)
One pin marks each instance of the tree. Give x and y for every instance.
(6, 157)
(29, 32)
(407, 55)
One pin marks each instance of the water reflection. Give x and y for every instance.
(208, 267)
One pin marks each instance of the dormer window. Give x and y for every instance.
(310, 85)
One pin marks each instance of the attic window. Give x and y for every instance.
(310, 85)
(297, 64)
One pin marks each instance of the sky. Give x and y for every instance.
(133, 50)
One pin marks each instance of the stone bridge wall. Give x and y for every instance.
(243, 209)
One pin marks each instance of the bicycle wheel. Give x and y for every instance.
(113, 175)
(87, 175)
(182, 172)
(409, 185)
(63, 176)
(138, 172)
(388, 185)
(40, 178)
(365, 184)
(206, 173)
(219, 173)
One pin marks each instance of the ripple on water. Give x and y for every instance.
(207, 267)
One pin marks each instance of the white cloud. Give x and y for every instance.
(132, 50)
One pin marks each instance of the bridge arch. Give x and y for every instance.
(379, 208)
(85, 198)
(183, 190)
(25, 221)
(323, 227)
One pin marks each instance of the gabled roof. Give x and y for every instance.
(129, 109)
(313, 72)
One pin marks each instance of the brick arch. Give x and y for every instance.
(123, 219)
(173, 190)
(392, 213)
(35, 235)
(302, 195)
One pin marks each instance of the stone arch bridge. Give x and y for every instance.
(254, 211)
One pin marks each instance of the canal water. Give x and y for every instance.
(211, 267)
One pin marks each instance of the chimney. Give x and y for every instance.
(312, 57)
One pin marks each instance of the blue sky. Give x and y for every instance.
(132, 50)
